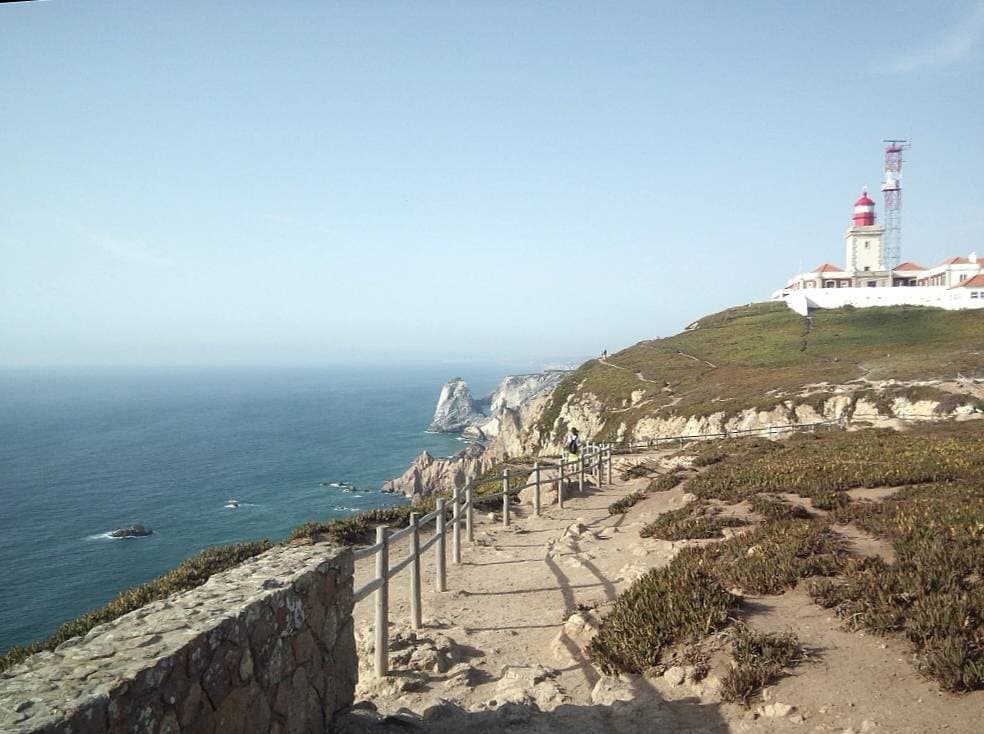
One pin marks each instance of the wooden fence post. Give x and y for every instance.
(382, 604)
(560, 484)
(415, 572)
(456, 527)
(440, 580)
(505, 498)
(469, 533)
(580, 472)
(611, 480)
(536, 488)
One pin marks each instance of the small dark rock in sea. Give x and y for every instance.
(134, 531)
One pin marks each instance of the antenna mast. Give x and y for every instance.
(892, 189)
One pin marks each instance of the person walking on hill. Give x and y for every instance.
(572, 444)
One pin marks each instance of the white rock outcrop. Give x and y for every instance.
(456, 409)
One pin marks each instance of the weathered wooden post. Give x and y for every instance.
(505, 498)
(415, 572)
(580, 472)
(382, 603)
(560, 484)
(456, 527)
(469, 532)
(611, 479)
(597, 465)
(440, 580)
(536, 488)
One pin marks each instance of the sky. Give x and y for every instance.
(500, 182)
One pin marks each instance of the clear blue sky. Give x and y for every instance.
(298, 182)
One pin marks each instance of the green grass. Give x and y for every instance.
(765, 347)
(836, 461)
(189, 574)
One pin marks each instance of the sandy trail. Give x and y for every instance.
(518, 670)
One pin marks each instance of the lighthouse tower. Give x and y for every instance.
(865, 246)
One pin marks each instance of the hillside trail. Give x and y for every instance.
(495, 654)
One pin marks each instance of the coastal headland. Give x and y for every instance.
(830, 578)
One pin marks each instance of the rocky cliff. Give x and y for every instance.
(495, 420)
(749, 367)
(456, 409)
(427, 475)
(888, 404)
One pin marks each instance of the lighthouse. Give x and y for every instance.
(864, 246)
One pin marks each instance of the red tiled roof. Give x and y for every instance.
(955, 261)
(827, 268)
(976, 282)
(909, 266)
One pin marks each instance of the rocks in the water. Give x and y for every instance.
(132, 531)
(428, 475)
(456, 409)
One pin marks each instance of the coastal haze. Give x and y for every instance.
(87, 451)
(308, 182)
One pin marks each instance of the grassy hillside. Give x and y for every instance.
(744, 357)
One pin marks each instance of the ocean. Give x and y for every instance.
(85, 451)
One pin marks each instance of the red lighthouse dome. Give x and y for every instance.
(864, 210)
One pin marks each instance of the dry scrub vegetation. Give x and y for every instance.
(933, 594)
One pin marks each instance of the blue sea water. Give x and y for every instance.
(85, 451)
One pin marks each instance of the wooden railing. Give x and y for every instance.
(594, 459)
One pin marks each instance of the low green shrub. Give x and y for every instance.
(675, 604)
(773, 557)
(666, 482)
(696, 520)
(760, 659)
(706, 458)
(620, 507)
(831, 500)
(933, 593)
(773, 508)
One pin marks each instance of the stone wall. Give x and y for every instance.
(264, 647)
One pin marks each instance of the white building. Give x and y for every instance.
(866, 280)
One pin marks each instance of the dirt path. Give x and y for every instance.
(496, 655)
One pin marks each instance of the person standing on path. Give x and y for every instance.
(572, 445)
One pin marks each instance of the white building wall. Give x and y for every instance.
(935, 296)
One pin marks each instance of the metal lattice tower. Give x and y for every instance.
(892, 189)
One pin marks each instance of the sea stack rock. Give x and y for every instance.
(456, 409)
(133, 531)
(428, 475)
